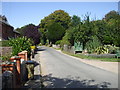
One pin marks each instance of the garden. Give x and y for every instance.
(16, 56)
(99, 38)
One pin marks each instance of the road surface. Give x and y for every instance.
(62, 71)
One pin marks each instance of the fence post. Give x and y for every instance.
(18, 70)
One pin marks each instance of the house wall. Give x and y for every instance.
(7, 31)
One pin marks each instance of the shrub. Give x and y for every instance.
(19, 44)
(4, 43)
(58, 42)
(5, 58)
(92, 44)
(101, 50)
(111, 49)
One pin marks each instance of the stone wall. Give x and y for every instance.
(69, 49)
(5, 51)
(56, 46)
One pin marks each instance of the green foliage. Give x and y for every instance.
(58, 42)
(75, 21)
(111, 49)
(58, 16)
(101, 50)
(114, 31)
(64, 41)
(68, 38)
(92, 34)
(108, 59)
(111, 15)
(5, 58)
(4, 43)
(20, 44)
(92, 44)
(55, 32)
(43, 41)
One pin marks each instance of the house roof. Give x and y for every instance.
(3, 19)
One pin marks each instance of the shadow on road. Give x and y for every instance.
(39, 49)
(53, 82)
(33, 84)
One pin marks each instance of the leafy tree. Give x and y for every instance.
(55, 32)
(100, 30)
(58, 16)
(111, 15)
(83, 31)
(68, 37)
(75, 20)
(31, 31)
(114, 30)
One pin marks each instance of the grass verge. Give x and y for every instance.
(82, 56)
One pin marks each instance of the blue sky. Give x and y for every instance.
(23, 13)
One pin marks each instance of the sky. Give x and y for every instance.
(23, 13)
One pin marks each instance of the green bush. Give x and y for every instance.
(4, 43)
(20, 44)
(92, 44)
(58, 42)
(101, 50)
(111, 49)
(5, 58)
(46, 44)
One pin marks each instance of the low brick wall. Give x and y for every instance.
(5, 51)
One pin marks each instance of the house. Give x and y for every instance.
(6, 30)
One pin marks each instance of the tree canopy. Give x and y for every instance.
(55, 32)
(60, 17)
(30, 31)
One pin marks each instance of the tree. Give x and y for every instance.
(31, 31)
(75, 20)
(112, 31)
(55, 32)
(111, 15)
(113, 26)
(58, 16)
(83, 31)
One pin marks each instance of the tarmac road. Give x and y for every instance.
(61, 71)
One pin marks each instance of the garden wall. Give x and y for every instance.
(69, 49)
(56, 46)
(102, 55)
(5, 51)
